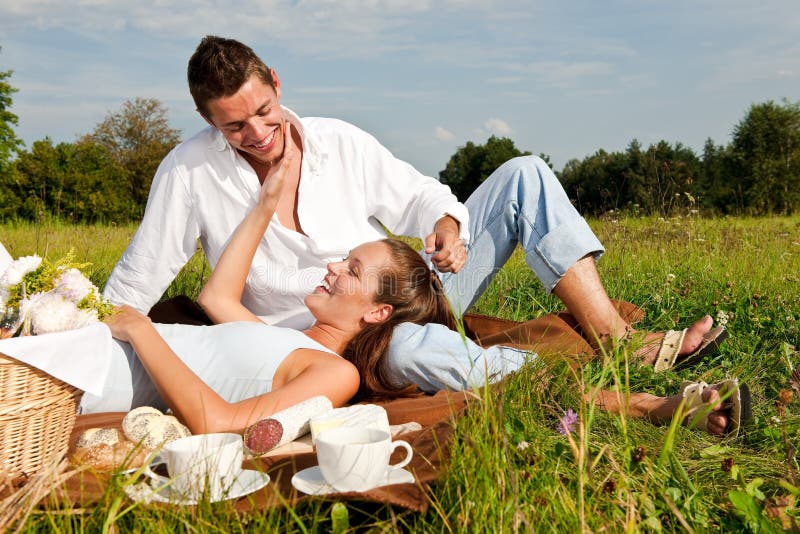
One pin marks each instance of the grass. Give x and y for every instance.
(511, 471)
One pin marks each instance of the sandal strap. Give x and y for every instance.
(730, 393)
(692, 393)
(669, 349)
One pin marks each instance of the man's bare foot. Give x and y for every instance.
(691, 341)
(718, 418)
(663, 409)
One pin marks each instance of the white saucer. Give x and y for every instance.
(312, 482)
(248, 481)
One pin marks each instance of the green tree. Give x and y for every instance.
(9, 143)
(655, 180)
(70, 181)
(138, 136)
(714, 189)
(766, 154)
(472, 164)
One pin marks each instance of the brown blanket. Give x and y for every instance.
(431, 445)
(551, 335)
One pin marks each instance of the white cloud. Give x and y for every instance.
(443, 134)
(322, 28)
(498, 126)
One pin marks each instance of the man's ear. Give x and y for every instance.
(378, 314)
(277, 82)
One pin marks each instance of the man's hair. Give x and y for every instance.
(220, 67)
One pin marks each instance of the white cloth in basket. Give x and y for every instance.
(80, 357)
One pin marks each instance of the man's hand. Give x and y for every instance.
(451, 254)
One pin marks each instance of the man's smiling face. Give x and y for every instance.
(251, 120)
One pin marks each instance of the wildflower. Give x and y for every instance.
(522, 445)
(18, 269)
(670, 278)
(51, 312)
(566, 425)
(722, 318)
(74, 286)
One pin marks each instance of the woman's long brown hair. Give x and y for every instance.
(416, 296)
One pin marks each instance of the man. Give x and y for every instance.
(343, 190)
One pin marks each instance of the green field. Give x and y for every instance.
(510, 470)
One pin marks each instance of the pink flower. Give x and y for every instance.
(566, 425)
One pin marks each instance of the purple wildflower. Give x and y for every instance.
(567, 423)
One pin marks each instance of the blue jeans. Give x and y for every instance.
(523, 203)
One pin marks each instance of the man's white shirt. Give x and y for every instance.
(350, 187)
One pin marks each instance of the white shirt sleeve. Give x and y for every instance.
(165, 241)
(5, 259)
(400, 197)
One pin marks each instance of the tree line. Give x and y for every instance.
(757, 173)
(105, 176)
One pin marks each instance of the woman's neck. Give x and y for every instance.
(330, 337)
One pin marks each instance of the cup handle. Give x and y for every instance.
(149, 473)
(404, 461)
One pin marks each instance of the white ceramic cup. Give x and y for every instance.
(205, 464)
(357, 459)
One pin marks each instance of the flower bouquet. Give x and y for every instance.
(41, 297)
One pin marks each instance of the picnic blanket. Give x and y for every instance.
(431, 454)
(550, 335)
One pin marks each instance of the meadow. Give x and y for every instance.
(510, 469)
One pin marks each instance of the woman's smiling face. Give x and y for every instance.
(346, 295)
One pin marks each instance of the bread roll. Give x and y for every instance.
(104, 457)
(97, 436)
(152, 428)
(135, 424)
(161, 430)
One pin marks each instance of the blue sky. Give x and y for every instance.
(559, 77)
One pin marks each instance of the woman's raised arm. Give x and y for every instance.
(221, 298)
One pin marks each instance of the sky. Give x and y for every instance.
(564, 78)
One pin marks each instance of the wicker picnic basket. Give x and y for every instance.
(37, 413)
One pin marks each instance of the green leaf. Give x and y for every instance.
(340, 518)
(715, 450)
(653, 523)
(746, 508)
(752, 488)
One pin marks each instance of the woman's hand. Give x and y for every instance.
(273, 185)
(125, 322)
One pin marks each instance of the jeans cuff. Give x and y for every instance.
(557, 251)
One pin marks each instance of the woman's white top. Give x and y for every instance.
(237, 360)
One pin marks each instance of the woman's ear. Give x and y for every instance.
(378, 314)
